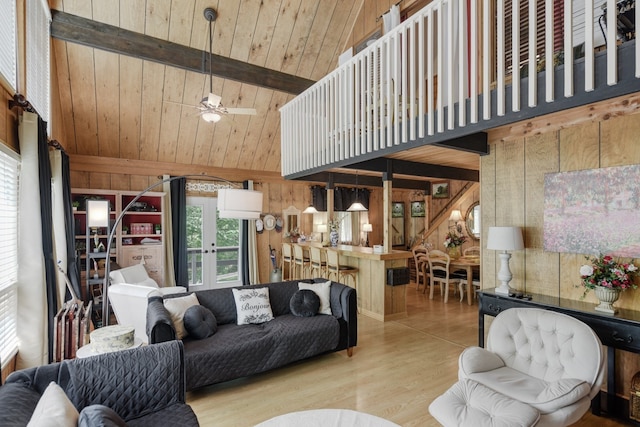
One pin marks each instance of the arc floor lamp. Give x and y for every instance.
(233, 202)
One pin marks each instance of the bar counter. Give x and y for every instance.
(376, 299)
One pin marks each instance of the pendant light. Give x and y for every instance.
(356, 206)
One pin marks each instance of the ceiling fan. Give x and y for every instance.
(211, 108)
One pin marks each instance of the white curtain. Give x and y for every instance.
(254, 274)
(167, 230)
(32, 293)
(59, 226)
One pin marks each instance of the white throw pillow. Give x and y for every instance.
(134, 275)
(54, 409)
(323, 290)
(176, 308)
(252, 305)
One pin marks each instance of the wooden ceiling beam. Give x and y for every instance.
(75, 29)
(406, 167)
(337, 178)
(84, 163)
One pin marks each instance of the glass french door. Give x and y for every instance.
(213, 246)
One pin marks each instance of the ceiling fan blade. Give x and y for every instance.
(250, 111)
(177, 103)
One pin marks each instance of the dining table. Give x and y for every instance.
(467, 263)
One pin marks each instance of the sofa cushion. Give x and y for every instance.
(100, 416)
(178, 414)
(54, 409)
(200, 322)
(252, 305)
(237, 351)
(17, 401)
(323, 289)
(304, 303)
(468, 403)
(176, 308)
(545, 396)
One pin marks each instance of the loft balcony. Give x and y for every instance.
(449, 73)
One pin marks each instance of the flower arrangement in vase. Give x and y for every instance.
(452, 242)
(293, 235)
(607, 277)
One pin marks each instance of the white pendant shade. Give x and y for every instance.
(356, 207)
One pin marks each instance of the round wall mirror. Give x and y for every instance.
(472, 221)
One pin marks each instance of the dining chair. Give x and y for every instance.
(475, 282)
(472, 251)
(422, 266)
(334, 268)
(318, 264)
(439, 273)
(287, 258)
(300, 262)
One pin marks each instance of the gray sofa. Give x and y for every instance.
(145, 386)
(236, 351)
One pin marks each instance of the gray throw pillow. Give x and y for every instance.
(304, 303)
(200, 322)
(100, 416)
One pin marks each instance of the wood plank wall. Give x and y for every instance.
(277, 196)
(512, 188)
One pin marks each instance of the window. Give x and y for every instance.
(9, 169)
(38, 76)
(8, 61)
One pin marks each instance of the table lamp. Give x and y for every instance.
(456, 217)
(504, 239)
(322, 228)
(367, 228)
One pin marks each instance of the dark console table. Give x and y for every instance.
(620, 331)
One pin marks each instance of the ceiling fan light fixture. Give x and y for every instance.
(211, 117)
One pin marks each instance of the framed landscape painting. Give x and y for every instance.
(593, 211)
(417, 209)
(440, 190)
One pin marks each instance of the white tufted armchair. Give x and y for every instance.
(549, 361)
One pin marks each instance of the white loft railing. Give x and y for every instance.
(424, 77)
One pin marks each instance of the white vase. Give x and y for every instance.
(607, 297)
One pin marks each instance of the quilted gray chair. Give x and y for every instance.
(539, 368)
(145, 386)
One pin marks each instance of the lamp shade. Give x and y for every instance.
(367, 227)
(98, 213)
(310, 210)
(322, 228)
(455, 215)
(505, 239)
(239, 203)
(356, 207)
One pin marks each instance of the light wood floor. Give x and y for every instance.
(396, 370)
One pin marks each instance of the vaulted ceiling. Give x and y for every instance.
(131, 106)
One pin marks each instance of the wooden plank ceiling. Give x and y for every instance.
(119, 106)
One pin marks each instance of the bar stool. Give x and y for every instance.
(318, 265)
(340, 271)
(301, 263)
(287, 257)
